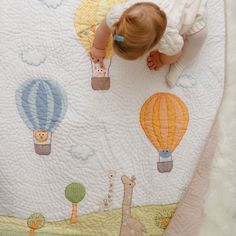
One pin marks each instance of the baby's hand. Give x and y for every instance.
(97, 55)
(153, 61)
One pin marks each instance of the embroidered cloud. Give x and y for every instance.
(33, 57)
(187, 82)
(82, 152)
(52, 3)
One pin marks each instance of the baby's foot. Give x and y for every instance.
(173, 76)
(153, 61)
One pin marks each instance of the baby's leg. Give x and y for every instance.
(192, 46)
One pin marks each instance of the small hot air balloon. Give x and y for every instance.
(42, 105)
(88, 17)
(164, 118)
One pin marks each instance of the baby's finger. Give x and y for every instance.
(149, 59)
(95, 60)
(152, 67)
(153, 53)
(101, 63)
(151, 64)
(91, 56)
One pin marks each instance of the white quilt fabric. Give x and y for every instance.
(101, 130)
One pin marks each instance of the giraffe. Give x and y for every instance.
(129, 225)
(106, 203)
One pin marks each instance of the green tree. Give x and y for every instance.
(75, 193)
(35, 221)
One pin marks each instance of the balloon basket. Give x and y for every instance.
(42, 149)
(166, 166)
(100, 77)
(100, 83)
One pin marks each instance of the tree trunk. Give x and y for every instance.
(74, 214)
(31, 232)
(34, 226)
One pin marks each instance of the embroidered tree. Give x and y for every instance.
(34, 222)
(75, 193)
(164, 217)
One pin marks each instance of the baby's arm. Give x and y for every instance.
(102, 35)
(100, 42)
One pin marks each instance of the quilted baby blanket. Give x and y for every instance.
(92, 151)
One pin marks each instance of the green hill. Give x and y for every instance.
(154, 218)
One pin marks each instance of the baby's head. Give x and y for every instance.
(140, 27)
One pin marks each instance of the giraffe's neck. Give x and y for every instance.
(127, 201)
(110, 190)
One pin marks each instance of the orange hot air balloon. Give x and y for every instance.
(164, 118)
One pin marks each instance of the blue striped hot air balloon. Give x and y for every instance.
(42, 105)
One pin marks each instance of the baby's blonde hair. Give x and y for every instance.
(142, 27)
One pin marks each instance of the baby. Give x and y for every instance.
(171, 31)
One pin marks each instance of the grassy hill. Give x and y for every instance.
(154, 218)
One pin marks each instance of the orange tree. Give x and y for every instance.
(34, 222)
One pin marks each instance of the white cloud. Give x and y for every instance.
(186, 82)
(52, 3)
(82, 152)
(33, 57)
